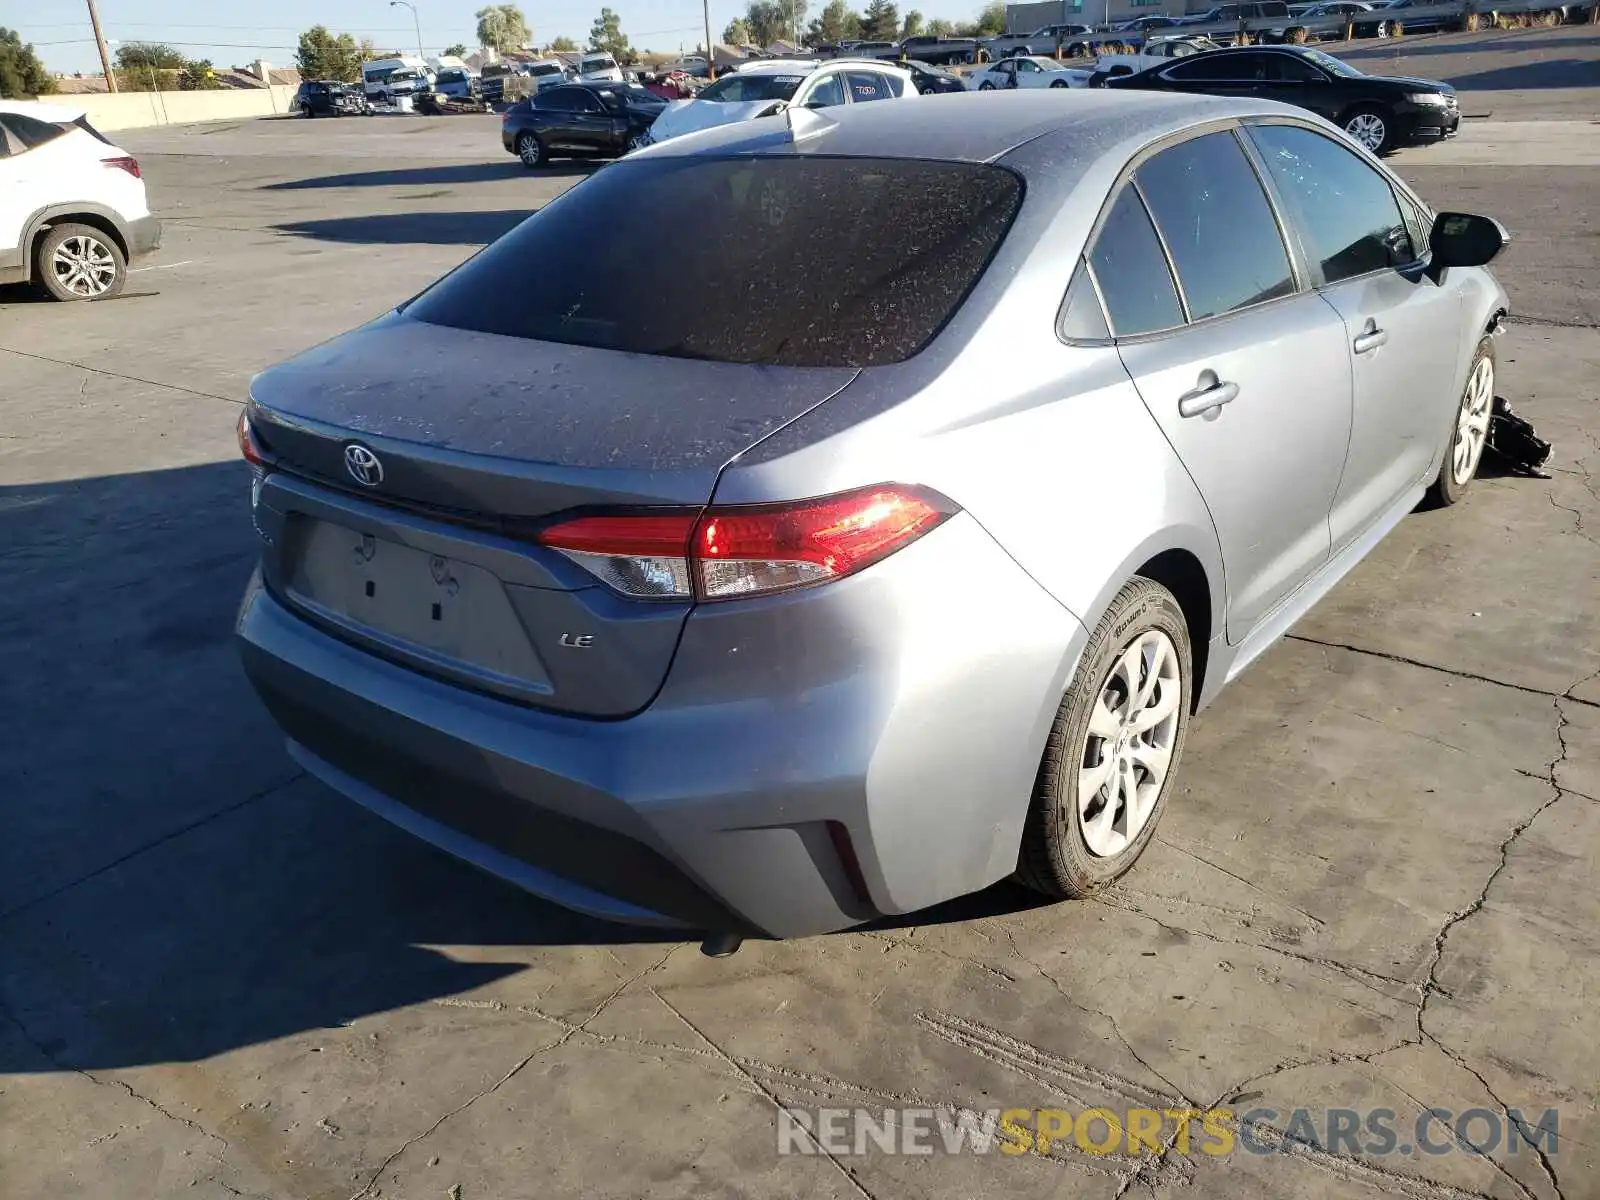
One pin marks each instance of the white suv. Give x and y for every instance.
(72, 205)
(768, 87)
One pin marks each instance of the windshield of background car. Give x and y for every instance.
(799, 260)
(736, 89)
(452, 75)
(1331, 64)
(603, 63)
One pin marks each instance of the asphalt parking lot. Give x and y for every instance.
(1375, 890)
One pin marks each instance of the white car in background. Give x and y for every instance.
(72, 205)
(1027, 71)
(766, 88)
(1155, 52)
(599, 68)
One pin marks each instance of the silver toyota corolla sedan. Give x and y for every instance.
(978, 445)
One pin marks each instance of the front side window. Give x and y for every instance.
(799, 261)
(1291, 68)
(561, 100)
(828, 92)
(1132, 271)
(1217, 225)
(1345, 210)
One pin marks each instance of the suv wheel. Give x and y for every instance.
(531, 151)
(78, 262)
(1114, 750)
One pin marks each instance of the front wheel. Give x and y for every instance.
(1469, 432)
(1114, 749)
(1370, 126)
(1098, 79)
(531, 151)
(1060, 83)
(986, 86)
(78, 262)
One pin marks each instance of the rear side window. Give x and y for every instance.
(1217, 225)
(1345, 210)
(1208, 66)
(799, 261)
(1132, 271)
(867, 85)
(32, 133)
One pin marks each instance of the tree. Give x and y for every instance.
(198, 75)
(939, 27)
(502, 26)
(737, 33)
(913, 26)
(835, 24)
(459, 50)
(566, 45)
(765, 22)
(152, 55)
(881, 21)
(606, 34)
(21, 72)
(323, 56)
(992, 20)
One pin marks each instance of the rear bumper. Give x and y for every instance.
(904, 706)
(144, 237)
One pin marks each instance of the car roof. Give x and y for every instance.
(981, 128)
(40, 112)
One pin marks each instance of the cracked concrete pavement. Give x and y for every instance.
(1374, 889)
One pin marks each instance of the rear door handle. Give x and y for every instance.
(1208, 396)
(1370, 338)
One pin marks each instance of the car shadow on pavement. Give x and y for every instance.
(442, 174)
(1549, 75)
(415, 228)
(171, 885)
(1407, 48)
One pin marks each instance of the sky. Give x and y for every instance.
(233, 32)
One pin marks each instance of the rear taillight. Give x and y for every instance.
(747, 550)
(126, 163)
(247, 443)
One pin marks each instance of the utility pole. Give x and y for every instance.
(100, 41)
(415, 21)
(711, 56)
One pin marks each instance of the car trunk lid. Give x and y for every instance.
(410, 466)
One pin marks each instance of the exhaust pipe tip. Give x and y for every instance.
(721, 945)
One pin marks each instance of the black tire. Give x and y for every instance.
(986, 86)
(1098, 79)
(306, 112)
(1059, 84)
(1447, 489)
(106, 253)
(1055, 857)
(1381, 145)
(531, 151)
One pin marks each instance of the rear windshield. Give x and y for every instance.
(544, 69)
(738, 89)
(794, 261)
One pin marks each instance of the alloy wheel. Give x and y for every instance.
(529, 150)
(84, 266)
(1368, 129)
(1472, 423)
(1128, 748)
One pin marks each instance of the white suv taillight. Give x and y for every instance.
(125, 163)
(747, 550)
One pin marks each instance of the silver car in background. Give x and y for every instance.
(782, 608)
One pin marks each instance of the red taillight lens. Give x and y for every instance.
(724, 553)
(747, 551)
(126, 163)
(247, 443)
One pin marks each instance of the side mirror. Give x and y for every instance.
(1466, 240)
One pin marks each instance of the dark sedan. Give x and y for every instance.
(1379, 111)
(931, 80)
(579, 120)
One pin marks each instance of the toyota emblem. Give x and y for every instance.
(363, 465)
